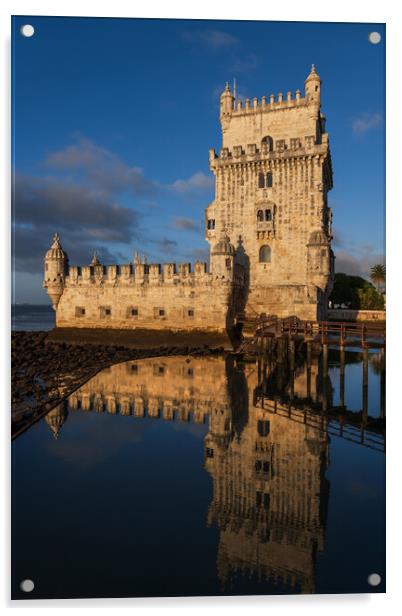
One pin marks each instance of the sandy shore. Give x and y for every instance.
(48, 366)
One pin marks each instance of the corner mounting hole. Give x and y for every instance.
(374, 38)
(374, 579)
(27, 585)
(27, 30)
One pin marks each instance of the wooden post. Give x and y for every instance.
(342, 377)
(365, 385)
(363, 335)
(325, 377)
(264, 376)
(309, 369)
(382, 384)
(292, 348)
(342, 341)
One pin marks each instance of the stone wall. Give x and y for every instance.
(356, 315)
(182, 302)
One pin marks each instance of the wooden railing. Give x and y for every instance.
(324, 331)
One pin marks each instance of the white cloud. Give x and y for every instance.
(102, 168)
(212, 39)
(366, 122)
(198, 181)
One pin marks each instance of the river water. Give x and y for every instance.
(197, 476)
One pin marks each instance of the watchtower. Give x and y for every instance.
(272, 176)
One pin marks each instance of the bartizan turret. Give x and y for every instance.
(227, 101)
(56, 270)
(312, 87)
(222, 258)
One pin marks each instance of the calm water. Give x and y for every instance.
(196, 476)
(25, 317)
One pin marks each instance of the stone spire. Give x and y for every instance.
(56, 269)
(95, 259)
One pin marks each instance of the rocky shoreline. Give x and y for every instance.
(46, 369)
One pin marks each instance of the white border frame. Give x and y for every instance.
(386, 11)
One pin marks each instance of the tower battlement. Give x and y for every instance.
(137, 273)
(267, 103)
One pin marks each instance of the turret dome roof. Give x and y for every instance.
(227, 91)
(313, 76)
(56, 251)
(224, 246)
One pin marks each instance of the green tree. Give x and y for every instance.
(377, 275)
(355, 292)
(370, 299)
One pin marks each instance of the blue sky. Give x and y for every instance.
(113, 120)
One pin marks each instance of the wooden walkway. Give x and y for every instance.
(363, 334)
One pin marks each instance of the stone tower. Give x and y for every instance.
(56, 270)
(272, 177)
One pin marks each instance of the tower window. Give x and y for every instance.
(261, 180)
(209, 452)
(228, 263)
(269, 180)
(268, 143)
(263, 427)
(265, 254)
(268, 215)
(260, 216)
(211, 223)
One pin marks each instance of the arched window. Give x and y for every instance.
(265, 254)
(267, 141)
(260, 216)
(268, 215)
(268, 183)
(261, 181)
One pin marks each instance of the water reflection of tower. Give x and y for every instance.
(56, 418)
(269, 496)
(269, 490)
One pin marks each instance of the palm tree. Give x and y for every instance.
(377, 275)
